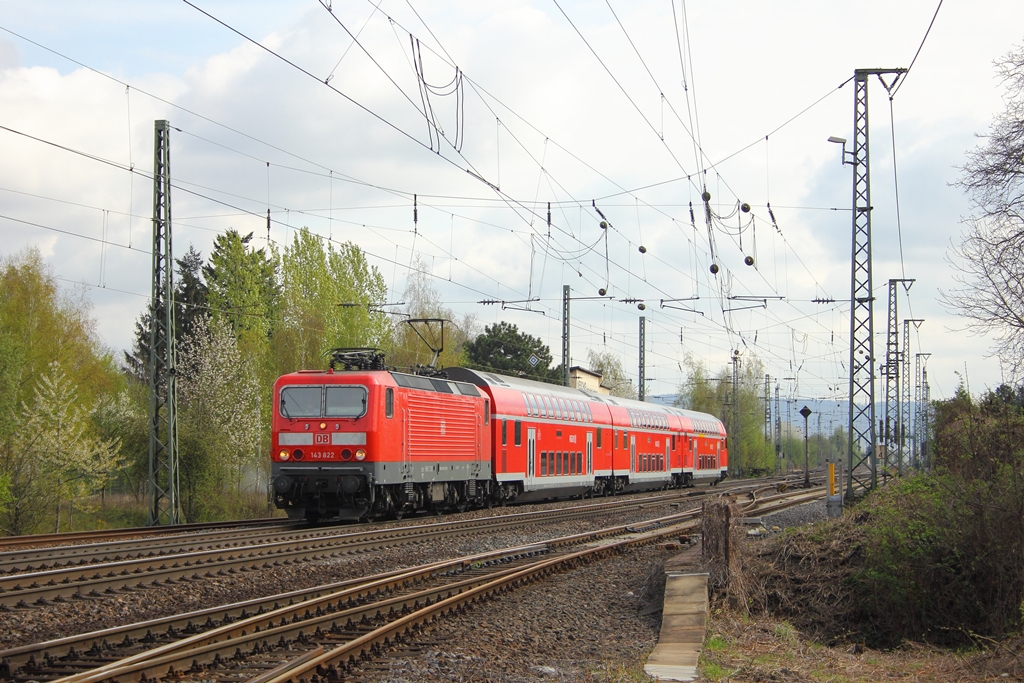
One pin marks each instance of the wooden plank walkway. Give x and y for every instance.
(683, 624)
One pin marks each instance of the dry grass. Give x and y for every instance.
(759, 649)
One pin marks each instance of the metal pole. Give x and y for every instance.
(806, 412)
(862, 340)
(164, 504)
(643, 361)
(565, 335)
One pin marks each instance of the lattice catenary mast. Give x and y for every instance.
(642, 389)
(891, 372)
(862, 346)
(164, 505)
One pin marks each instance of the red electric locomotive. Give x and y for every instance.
(368, 442)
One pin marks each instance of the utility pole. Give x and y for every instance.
(767, 408)
(926, 419)
(862, 339)
(905, 398)
(778, 430)
(806, 412)
(643, 359)
(891, 372)
(164, 505)
(920, 378)
(565, 335)
(735, 426)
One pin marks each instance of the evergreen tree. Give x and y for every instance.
(502, 348)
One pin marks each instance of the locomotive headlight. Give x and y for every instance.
(284, 454)
(323, 425)
(360, 454)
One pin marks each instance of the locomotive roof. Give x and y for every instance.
(489, 379)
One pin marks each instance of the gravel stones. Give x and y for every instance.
(20, 627)
(798, 515)
(568, 627)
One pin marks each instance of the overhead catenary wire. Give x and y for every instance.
(627, 269)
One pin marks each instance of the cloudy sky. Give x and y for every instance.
(628, 108)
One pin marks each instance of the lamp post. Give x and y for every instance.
(806, 412)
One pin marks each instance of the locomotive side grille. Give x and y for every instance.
(441, 427)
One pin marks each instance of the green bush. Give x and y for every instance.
(944, 553)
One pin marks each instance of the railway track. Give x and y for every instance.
(78, 537)
(220, 536)
(327, 629)
(162, 565)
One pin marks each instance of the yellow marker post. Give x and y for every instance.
(831, 479)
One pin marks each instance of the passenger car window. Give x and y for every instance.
(345, 402)
(301, 401)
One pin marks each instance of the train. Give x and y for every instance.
(364, 442)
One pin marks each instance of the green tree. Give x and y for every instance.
(502, 348)
(40, 324)
(328, 296)
(190, 299)
(56, 436)
(243, 288)
(609, 366)
(742, 411)
(422, 301)
(220, 397)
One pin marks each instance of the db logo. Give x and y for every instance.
(443, 427)
(322, 438)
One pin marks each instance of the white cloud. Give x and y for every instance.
(754, 65)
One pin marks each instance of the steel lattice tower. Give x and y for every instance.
(767, 408)
(164, 504)
(778, 430)
(565, 335)
(643, 359)
(926, 418)
(734, 421)
(891, 372)
(906, 455)
(862, 342)
(919, 408)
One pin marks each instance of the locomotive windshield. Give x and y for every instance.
(301, 401)
(345, 401)
(315, 401)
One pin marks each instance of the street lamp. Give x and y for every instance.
(806, 412)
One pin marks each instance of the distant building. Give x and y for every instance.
(581, 378)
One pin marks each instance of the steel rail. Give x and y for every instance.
(53, 557)
(24, 590)
(129, 532)
(216, 646)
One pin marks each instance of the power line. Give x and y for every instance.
(919, 47)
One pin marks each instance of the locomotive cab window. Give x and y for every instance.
(345, 402)
(301, 401)
(389, 402)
